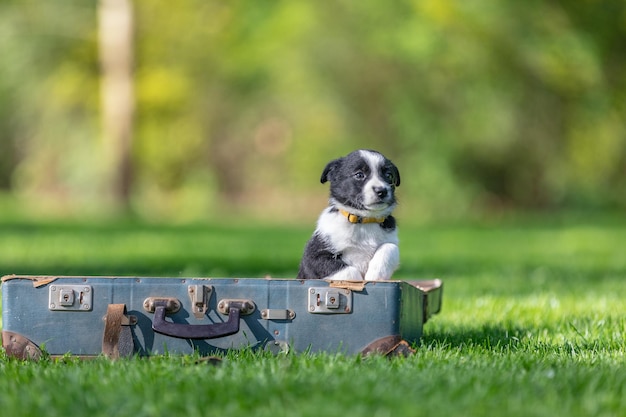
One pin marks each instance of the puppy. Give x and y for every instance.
(356, 236)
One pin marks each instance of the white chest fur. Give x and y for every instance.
(359, 244)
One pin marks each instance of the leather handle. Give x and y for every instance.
(190, 331)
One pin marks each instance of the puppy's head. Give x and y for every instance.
(364, 182)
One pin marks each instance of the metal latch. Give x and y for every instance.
(327, 300)
(70, 297)
(200, 296)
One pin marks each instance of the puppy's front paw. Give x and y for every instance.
(384, 262)
(349, 273)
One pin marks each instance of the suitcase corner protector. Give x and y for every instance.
(8, 277)
(383, 345)
(20, 347)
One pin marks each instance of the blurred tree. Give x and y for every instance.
(49, 73)
(485, 105)
(115, 44)
(9, 156)
(486, 99)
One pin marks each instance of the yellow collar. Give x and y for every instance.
(353, 218)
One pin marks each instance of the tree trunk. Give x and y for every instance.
(115, 29)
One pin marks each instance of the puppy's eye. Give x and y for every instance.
(359, 175)
(388, 176)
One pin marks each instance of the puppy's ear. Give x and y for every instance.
(328, 171)
(396, 174)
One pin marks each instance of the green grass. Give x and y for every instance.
(533, 324)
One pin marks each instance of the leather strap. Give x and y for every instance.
(117, 340)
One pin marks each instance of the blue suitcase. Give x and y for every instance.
(123, 316)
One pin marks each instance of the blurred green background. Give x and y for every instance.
(486, 106)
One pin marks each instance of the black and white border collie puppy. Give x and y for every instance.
(356, 237)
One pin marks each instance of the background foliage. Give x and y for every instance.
(484, 105)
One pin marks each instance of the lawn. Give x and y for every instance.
(533, 324)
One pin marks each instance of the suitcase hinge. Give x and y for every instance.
(277, 314)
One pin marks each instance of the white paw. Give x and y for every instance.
(348, 273)
(384, 262)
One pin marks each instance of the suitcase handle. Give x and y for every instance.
(190, 331)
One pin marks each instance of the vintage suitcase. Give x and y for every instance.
(122, 316)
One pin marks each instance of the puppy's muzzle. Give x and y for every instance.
(381, 192)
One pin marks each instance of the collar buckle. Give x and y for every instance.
(354, 219)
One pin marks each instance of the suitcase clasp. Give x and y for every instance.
(325, 300)
(199, 295)
(70, 297)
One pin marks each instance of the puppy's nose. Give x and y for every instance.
(381, 191)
